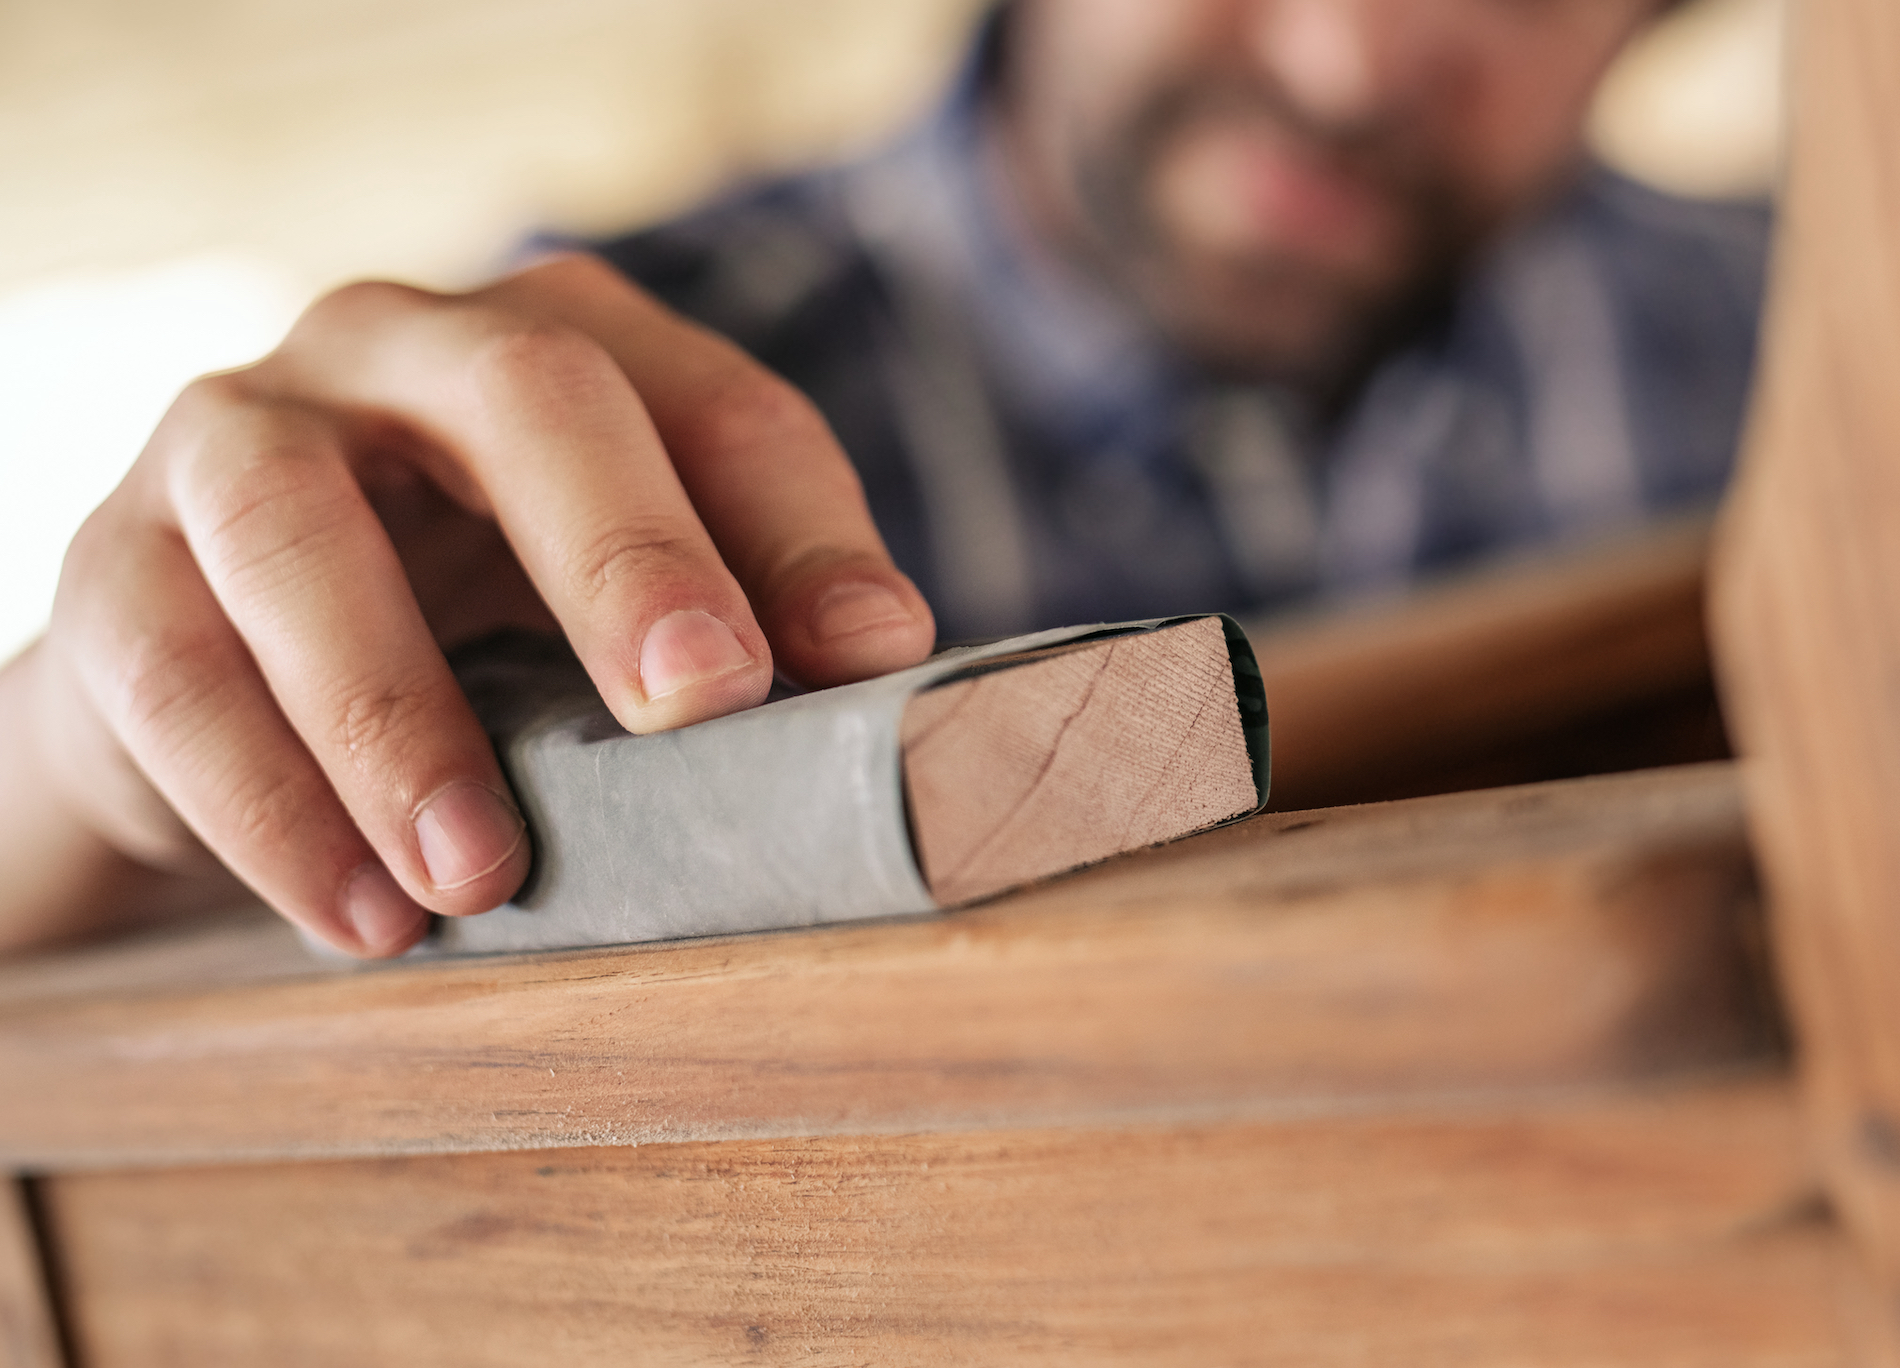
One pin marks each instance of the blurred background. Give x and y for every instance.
(179, 177)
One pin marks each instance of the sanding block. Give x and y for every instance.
(981, 769)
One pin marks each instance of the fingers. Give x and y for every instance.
(239, 615)
(762, 472)
(536, 424)
(657, 485)
(155, 656)
(305, 575)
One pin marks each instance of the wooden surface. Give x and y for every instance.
(28, 1337)
(1537, 939)
(1488, 1079)
(1663, 1231)
(1471, 682)
(1083, 753)
(1807, 602)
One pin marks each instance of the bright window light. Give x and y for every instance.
(88, 364)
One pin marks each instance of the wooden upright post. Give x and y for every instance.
(1806, 603)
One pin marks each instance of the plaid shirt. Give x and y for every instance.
(1034, 455)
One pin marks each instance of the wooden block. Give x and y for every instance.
(1084, 752)
(1480, 944)
(1667, 1229)
(28, 1331)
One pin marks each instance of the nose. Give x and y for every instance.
(1346, 63)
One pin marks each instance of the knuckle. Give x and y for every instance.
(212, 398)
(748, 412)
(257, 462)
(373, 719)
(206, 406)
(165, 684)
(263, 509)
(631, 554)
(172, 703)
(360, 302)
(269, 809)
(341, 319)
(573, 270)
(541, 362)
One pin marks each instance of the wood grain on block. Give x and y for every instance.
(1671, 1228)
(1580, 934)
(1072, 756)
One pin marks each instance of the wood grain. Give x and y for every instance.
(1450, 686)
(1669, 1230)
(28, 1333)
(1083, 753)
(1535, 939)
(1807, 602)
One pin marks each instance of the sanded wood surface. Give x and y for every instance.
(1089, 751)
(1448, 687)
(1665, 1231)
(1807, 600)
(28, 1336)
(1541, 938)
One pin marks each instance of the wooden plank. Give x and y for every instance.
(1807, 601)
(1541, 938)
(1080, 754)
(1665, 1230)
(29, 1336)
(1438, 690)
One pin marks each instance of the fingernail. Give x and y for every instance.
(847, 608)
(685, 647)
(375, 907)
(465, 831)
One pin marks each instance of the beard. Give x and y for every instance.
(1263, 308)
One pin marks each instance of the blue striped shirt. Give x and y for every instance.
(1034, 455)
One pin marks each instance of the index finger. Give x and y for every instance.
(651, 546)
(764, 474)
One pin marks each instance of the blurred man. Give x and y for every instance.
(1181, 305)
(1235, 303)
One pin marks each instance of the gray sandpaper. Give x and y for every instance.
(788, 814)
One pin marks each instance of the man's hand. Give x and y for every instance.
(246, 649)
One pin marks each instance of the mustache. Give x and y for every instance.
(1380, 152)
(1112, 177)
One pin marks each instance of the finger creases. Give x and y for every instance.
(536, 412)
(172, 678)
(761, 469)
(297, 563)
